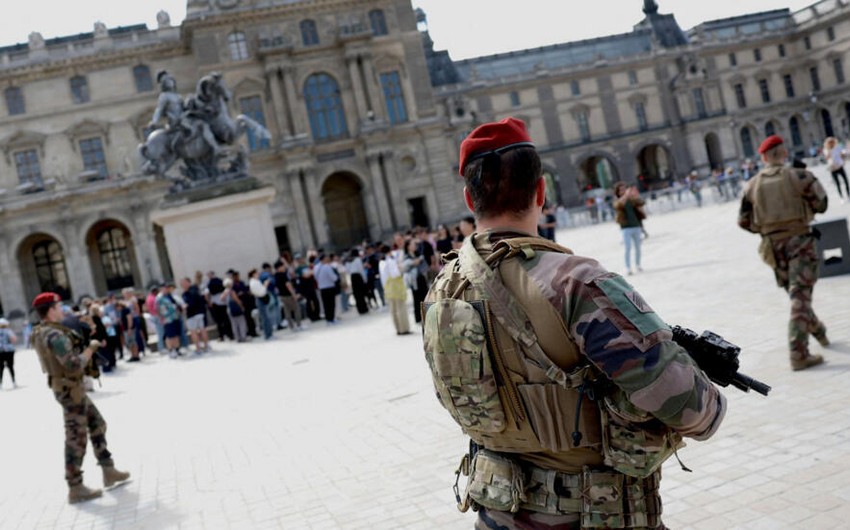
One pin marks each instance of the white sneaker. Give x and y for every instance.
(172, 354)
(630, 272)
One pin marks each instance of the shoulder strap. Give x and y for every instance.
(479, 272)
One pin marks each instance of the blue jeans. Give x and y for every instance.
(631, 236)
(265, 321)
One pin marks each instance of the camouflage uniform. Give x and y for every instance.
(614, 333)
(80, 414)
(790, 248)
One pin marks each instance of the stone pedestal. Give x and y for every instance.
(218, 228)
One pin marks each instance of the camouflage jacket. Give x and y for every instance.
(58, 352)
(616, 330)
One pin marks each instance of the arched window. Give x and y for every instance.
(309, 35)
(115, 257)
(378, 22)
(15, 101)
(747, 142)
(79, 89)
(769, 129)
(794, 126)
(50, 268)
(142, 77)
(324, 106)
(238, 46)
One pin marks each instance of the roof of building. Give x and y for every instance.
(554, 57)
(751, 24)
(80, 37)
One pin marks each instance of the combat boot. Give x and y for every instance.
(80, 493)
(806, 362)
(821, 338)
(113, 478)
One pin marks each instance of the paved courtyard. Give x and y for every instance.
(339, 428)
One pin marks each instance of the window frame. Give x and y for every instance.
(740, 95)
(393, 91)
(764, 89)
(257, 114)
(24, 167)
(142, 78)
(378, 23)
(237, 46)
(93, 155)
(788, 81)
(325, 107)
(15, 102)
(309, 32)
(80, 93)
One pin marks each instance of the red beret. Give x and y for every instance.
(769, 143)
(46, 299)
(495, 137)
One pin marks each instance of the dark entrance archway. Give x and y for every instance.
(42, 265)
(712, 149)
(343, 201)
(826, 122)
(655, 165)
(112, 256)
(597, 172)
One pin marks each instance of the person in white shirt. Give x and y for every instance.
(395, 291)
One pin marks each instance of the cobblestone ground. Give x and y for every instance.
(338, 427)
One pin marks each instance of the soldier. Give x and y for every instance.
(779, 203)
(63, 357)
(567, 382)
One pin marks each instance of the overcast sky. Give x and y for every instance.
(467, 28)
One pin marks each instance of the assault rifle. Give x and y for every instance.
(718, 358)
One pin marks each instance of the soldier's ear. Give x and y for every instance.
(467, 198)
(540, 195)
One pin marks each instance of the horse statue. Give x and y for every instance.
(199, 131)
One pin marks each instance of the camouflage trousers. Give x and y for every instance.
(81, 418)
(796, 271)
(527, 520)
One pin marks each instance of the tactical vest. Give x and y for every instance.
(503, 363)
(50, 364)
(778, 208)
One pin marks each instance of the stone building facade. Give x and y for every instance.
(366, 118)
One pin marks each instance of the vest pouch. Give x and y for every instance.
(635, 445)
(551, 411)
(766, 252)
(458, 354)
(496, 482)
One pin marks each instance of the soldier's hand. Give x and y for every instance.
(95, 345)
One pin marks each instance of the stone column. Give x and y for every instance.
(298, 112)
(11, 288)
(77, 262)
(378, 196)
(371, 82)
(314, 197)
(302, 219)
(281, 112)
(357, 86)
(144, 244)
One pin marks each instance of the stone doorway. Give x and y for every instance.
(655, 165)
(342, 195)
(712, 149)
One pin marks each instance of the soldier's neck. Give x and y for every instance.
(526, 223)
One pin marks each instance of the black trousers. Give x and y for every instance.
(222, 321)
(835, 174)
(7, 359)
(329, 302)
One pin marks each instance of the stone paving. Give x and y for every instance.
(338, 427)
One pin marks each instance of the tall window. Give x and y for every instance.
(115, 257)
(733, 60)
(93, 157)
(796, 137)
(757, 55)
(633, 79)
(80, 89)
(14, 101)
(514, 95)
(830, 33)
(378, 22)
(238, 46)
(142, 77)
(640, 114)
(324, 106)
(394, 96)
(789, 85)
(575, 88)
(781, 49)
(813, 74)
(309, 35)
(764, 88)
(583, 126)
(699, 103)
(769, 129)
(839, 70)
(253, 108)
(807, 42)
(740, 97)
(29, 170)
(50, 268)
(747, 142)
